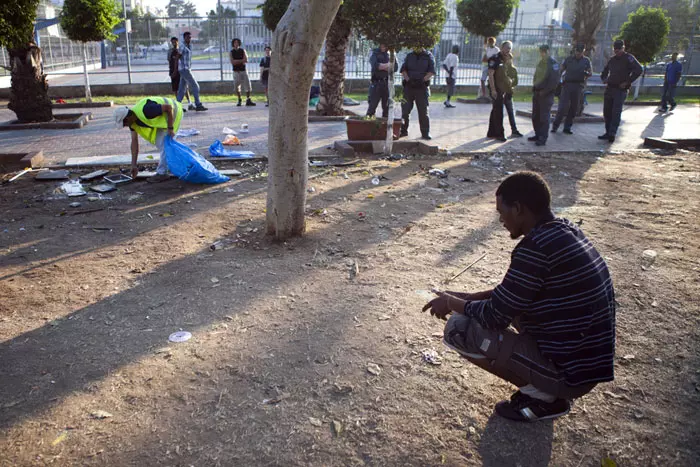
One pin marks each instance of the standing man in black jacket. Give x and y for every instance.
(379, 87)
(618, 75)
(417, 70)
(575, 70)
(543, 85)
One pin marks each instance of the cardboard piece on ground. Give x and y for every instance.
(97, 161)
(94, 175)
(53, 175)
(231, 172)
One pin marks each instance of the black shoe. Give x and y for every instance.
(567, 132)
(532, 138)
(673, 106)
(240, 103)
(403, 133)
(540, 143)
(516, 134)
(662, 110)
(605, 136)
(611, 139)
(201, 108)
(502, 139)
(250, 103)
(522, 408)
(267, 104)
(554, 129)
(427, 137)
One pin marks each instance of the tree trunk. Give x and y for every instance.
(389, 142)
(333, 77)
(29, 98)
(297, 43)
(88, 94)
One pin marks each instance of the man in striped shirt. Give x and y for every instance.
(557, 295)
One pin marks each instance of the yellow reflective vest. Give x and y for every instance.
(161, 122)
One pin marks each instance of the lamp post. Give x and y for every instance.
(127, 27)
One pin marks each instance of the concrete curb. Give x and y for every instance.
(78, 121)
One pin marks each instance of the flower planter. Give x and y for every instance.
(370, 130)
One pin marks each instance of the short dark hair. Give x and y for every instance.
(527, 188)
(174, 39)
(233, 41)
(455, 49)
(186, 33)
(267, 47)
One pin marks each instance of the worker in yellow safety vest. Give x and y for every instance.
(153, 118)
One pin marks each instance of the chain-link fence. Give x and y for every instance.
(149, 42)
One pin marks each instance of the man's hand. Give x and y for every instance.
(439, 307)
(171, 133)
(494, 95)
(624, 85)
(134, 171)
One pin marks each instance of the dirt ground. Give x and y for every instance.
(285, 335)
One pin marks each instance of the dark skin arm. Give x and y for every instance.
(452, 302)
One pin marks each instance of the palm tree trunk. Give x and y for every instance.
(29, 98)
(333, 78)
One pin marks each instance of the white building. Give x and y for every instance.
(243, 7)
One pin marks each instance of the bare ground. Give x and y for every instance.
(277, 370)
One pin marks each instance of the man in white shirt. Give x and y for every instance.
(490, 51)
(450, 66)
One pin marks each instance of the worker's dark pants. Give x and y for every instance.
(541, 113)
(508, 103)
(613, 101)
(510, 355)
(420, 96)
(568, 104)
(378, 90)
(667, 95)
(496, 119)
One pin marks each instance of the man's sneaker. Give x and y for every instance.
(554, 129)
(403, 133)
(157, 178)
(502, 139)
(201, 108)
(523, 408)
(567, 131)
(240, 103)
(516, 134)
(191, 107)
(532, 138)
(267, 104)
(611, 139)
(426, 136)
(661, 110)
(673, 106)
(250, 103)
(605, 136)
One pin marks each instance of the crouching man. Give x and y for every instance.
(558, 297)
(152, 118)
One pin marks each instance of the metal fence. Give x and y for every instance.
(149, 42)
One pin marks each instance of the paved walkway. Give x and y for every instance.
(461, 129)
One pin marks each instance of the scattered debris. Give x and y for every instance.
(180, 336)
(648, 258)
(186, 133)
(60, 438)
(73, 188)
(53, 175)
(214, 280)
(443, 184)
(93, 175)
(103, 188)
(628, 357)
(374, 369)
(354, 269)
(100, 414)
(465, 269)
(228, 131)
(395, 157)
(431, 356)
(218, 245)
(75, 204)
(315, 422)
(440, 173)
(244, 128)
(118, 178)
(231, 140)
(337, 427)
(311, 189)
(375, 181)
(275, 400)
(231, 173)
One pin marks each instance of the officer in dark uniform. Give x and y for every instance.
(417, 69)
(379, 87)
(618, 75)
(575, 71)
(543, 85)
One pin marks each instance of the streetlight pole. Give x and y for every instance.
(126, 34)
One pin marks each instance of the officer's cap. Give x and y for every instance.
(544, 48)
(618, 44)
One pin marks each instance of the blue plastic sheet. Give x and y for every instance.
(217, 149)
(190, 166)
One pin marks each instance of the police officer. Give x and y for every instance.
(379, 87)
(575, 71)
(618, 75)
(417, 69)
(543, 85)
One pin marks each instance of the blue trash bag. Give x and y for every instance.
(217, 149)
(189, 166)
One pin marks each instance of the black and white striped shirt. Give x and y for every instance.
(559, 288)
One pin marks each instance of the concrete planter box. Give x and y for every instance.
(370, 130)
(82, 105)
(60, 122)
(14, 162)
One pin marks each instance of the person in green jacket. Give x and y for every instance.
(509, 84)
(152, 118)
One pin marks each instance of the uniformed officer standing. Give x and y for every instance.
(618, 75)
(417, 69)
(379, 87)
(576, 69)
(543, 85)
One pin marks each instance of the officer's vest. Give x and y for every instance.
(161, 122)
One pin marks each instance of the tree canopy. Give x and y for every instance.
(89, 20)
(485, 17)
(588, 15)
(272, 12)
(645, 33)
(416, 24)
(17, 22)
(141, 23)
(181, 8)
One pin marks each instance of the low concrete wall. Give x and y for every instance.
(226, 87)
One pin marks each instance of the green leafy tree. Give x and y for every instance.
(645, 33)
(29, 98)
(89, 21)
(485, 17)
(272, 12)
(417, 24)
(175, 8)
(189, 9)
(588, 16)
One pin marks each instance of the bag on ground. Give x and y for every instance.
(190, 166)
(217, 149)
